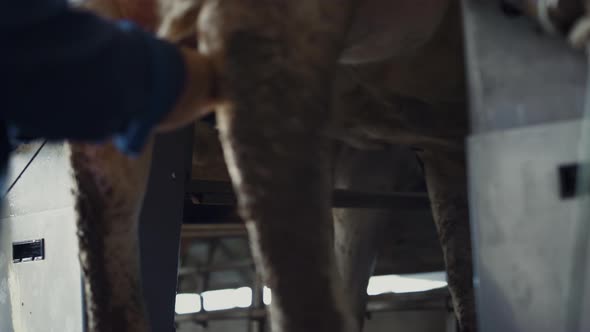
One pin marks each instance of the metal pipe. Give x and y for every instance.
(204, 231)
(221, 193)
(257, 325)
(236, 265)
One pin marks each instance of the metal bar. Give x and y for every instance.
(257, 325)
(397, 201)
(237, 265)
(221, 193)
(197, 213)
(159, 241)
(197, 231)
(205, 276)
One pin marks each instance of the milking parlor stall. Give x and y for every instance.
(402, 165)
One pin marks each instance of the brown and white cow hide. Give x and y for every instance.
(109, 194)
(281, 65)
(400, 81)
(280, 61)
(110, 190)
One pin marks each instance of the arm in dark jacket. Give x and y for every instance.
(69, 74)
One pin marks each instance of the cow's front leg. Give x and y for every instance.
(110, 189)
(278, 57)
(447, 187)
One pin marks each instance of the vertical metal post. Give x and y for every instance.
(160, 224)
(204, 276)
(257, 324)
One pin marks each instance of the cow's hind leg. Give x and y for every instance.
(110, 189)
(279, 58)
(359, 233)
(447, 187)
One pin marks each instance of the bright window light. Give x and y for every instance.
(406, 283)
(227, 299)
(187, 303)
(266, 295)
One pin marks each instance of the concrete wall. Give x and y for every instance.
(44, 295)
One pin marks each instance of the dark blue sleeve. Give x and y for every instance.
(66, 74)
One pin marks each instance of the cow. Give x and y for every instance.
(298, 75)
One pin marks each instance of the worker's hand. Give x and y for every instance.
(201, 94)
